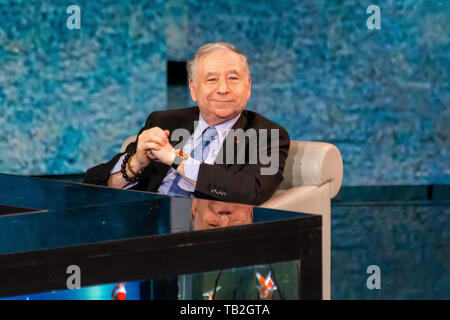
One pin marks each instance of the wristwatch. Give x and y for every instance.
(179, 157)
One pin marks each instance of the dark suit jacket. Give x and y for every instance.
(230, 181)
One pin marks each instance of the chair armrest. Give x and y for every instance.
(313, 164)
(295, 199)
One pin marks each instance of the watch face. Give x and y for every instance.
(178, 159)
(176, 162)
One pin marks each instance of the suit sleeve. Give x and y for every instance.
(247, 184)
(99, 174)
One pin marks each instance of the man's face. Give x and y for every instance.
(222, 86)
(210, 214)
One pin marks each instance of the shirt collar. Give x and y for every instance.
(222, 128)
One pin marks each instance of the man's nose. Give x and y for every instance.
(224, 212)
(225, 218)
(223, 87)
(222, 208)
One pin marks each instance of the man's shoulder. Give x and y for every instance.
(256, 120)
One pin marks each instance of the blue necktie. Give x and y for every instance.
(200, 153)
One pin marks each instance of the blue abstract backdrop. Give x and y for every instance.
(68, 98)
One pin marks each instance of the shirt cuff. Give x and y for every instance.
(118, 165)
(117, 169)
(191, 167)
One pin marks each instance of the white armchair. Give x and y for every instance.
(312, 177)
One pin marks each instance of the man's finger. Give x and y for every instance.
(160, 134)
(152, 132)
(152, 146)
(158, 140)
(166, 134)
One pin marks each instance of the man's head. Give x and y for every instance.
(219, 81)
(208, 214)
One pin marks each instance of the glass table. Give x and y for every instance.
(56, 236)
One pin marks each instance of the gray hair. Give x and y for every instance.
(210, 47)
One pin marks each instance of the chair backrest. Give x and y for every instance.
(313, 164)
(127, 142)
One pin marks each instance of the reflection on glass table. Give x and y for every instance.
(150, 242)
(209, 214)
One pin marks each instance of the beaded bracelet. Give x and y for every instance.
(124, 170)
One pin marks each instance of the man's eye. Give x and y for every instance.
(234, 78)
(211, 80)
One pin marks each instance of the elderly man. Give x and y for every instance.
(164, 160)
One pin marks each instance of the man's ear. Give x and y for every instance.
(249, 87)
(191, 89)
(194, 207)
